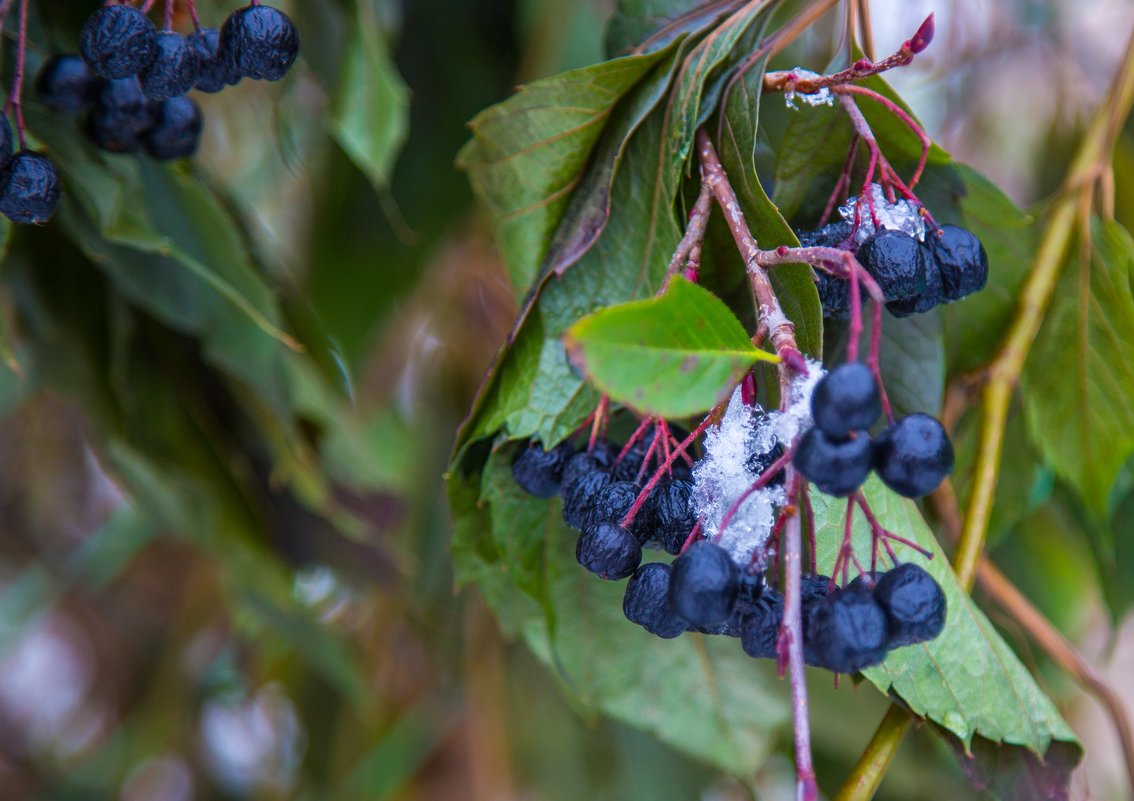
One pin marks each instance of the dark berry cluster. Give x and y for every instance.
(131, 80)
(29, 182)
(912, 455)
(914, 276)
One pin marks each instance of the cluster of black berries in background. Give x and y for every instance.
(912, 456)
(846, 629)
(914, 276)
(131, 79)
(29, 183)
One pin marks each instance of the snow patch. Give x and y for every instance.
(821, 98)
(901, 215)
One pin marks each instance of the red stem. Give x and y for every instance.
(646, 490)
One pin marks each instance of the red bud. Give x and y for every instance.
(923, 37)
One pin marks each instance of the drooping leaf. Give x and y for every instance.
(1077, 385)
(649, 25)
(701, 695)
(968, 681)
(675, 355)
(370, 119)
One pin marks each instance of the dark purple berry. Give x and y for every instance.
(120, 117)
(914, 604)
(962, 260)
(832, 235)
(761, 628)
(214, 73)
(29, 188)
(913, 455)
(646, 601)
(539, 472)
(814, 586)
(173, 70)
(6, 143)
(612, 503)
(847, 631)
(65, 83)
(834, 295)
(259, 42)
(897, 261)
(704, 584)
(835, 467)
(845, 400)
(118, 41)
(176, 131)
(923, 302)
(579, 495)
(673, 514)
(608, 550)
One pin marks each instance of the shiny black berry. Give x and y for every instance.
(538, 472)
(646, 601)
(214, 73)
(897, 261)
(914, 604)
(120, 117)
(118, 41)
(579, 495)
(846, 399)
(176, 131)
(835, 467)
(847, 631)
(29, 188)
(259, 42)
(673, 514)
(608, 550)
(930, 297)
(65, 83)
(704, 584)
(173, 70)
(962, 260)
(913, 455)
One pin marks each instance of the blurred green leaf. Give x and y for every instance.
(674, 355)
(650, 25)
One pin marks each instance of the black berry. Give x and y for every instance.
(173, 70)
(845, 400)
(834, 295)
(214, 73)
(121, 115)
(29, 188)
(117, 41)
(6, 143)
(926, 300)
(579, 495)
(897, 261)
(608, 550)
(704, 584)
(847, 631)
(538, 472)
(836, 467)
(813, 586)
(612, 503)
(914, 604)
(176, 130)
(65, 83)
(832, 235)
(914, 455)
(762, 626)
(962, 260)
(673, 514)
(646, 601)
(259, 42)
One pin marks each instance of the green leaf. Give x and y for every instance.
(1079, 379)
(674, 355)
(649, 25)
(527, 154)
(370, 118)
(703, 697)
(968, 681)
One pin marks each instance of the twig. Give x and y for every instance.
(688, 250)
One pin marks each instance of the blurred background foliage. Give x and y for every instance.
(224, 564)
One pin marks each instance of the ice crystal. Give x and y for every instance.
(821, 98)
(901, 215)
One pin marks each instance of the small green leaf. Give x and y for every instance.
(370, 118)
(967, 680)
(674, 355)
(1078, 383)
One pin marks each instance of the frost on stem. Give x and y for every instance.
(902, 215)
(823, 97)
(725, 472)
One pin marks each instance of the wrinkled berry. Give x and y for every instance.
(704, 584)
(214, 73)
(847, 631)
(29, 188)
(646, 601)
(913, 455)
(923, 302)
(962, 260)
(65, 83)
(913, 602)
(608, 550)
(835, 467)
(673, 514)
(834, 295)
(6, 143)
(897, 261)
(846, 399)
(832, 235)
(579, 495)
(259, 42)
(612, 503)
(117, 41)
(762, 626)
(814, 586)
(173, 70)
(176, 131)
(538, 472)
(121, 115)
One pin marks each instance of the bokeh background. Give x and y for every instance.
(199, 601)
